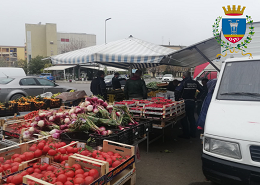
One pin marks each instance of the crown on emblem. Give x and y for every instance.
(234, 11)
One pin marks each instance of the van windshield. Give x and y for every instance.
(240, 81)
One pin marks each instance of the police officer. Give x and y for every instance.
(186, 90)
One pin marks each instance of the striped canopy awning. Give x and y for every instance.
(121, 54)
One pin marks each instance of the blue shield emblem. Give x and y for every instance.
(234, 29)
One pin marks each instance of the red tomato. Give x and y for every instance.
(37, 170)
(123, 160)
(114, 158)
(14, 168)
(9, 179)
(116, 154)
(116, 163)
(52, 152)
(110, 169)
(58, 172)
(17, 179)
(85, 153)
(52, 180)
(23, 157)
(70, 173)
(68, 183)
(75, 150)
(44, 166)
(63, 162)
(79, 171)
(15, 164)
(58, 183)
(29, 155)
(18, 159)
(8, 162)
(109, 161)
(46, 149)
(30, 170)
(57, 157)
(49, 174)
(37, 153)
(2, 159)
(78, 180)
(127, 156)
(62, 178)
(94, 173)
(15, 155)
(94, 153)
(69, 179)
(80, 175)
(24, 173)
(70, 149)
(110, 153)
(6, 166)
(41, 145)
(62, 144)
(85, 174)
(36, 165)
(89, 180)
(50, 168)
(64, 157)
(76, 166)
(33, 148)
(62, 150)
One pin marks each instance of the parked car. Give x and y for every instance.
(47, 76)
(159, 77)
(167, 78)
(108, 80)
(17, 87)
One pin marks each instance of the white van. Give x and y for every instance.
(231, 147)
(11, 71)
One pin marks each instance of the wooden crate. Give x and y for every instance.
(125, 171)
(84, 162)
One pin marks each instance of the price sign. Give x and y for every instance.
(81, 145)
(45, 160)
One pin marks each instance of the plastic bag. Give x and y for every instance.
(46, 95)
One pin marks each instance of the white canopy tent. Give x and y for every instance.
(122, 54)
(57, 68)
(103, 68)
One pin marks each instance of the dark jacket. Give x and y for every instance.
(171, 87)
(135, 88)
(116, 83)
(205, 106)
(187, 89)
(202, 94)
(98, 87)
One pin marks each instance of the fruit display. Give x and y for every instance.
(152, 85)
(54, 95)
(153, 93)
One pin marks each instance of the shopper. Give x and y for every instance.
(135, 87)
(98, 85)
(186, 90)
(172, 85)
(116, 82)
(202, 95)
(204, 110)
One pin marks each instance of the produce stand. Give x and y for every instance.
(115, 95)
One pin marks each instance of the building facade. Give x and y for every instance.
(12, 53)
(44, 40)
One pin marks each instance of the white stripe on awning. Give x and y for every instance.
(55, 68)
(121, 53)
(102, 68)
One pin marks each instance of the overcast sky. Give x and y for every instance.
(182, 22)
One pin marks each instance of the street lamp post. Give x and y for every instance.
(106, 29)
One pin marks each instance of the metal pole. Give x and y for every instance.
(106, 29)
(204, 56)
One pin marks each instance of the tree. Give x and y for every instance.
(72, 45)
(105, 70)
(36, 65)
(153, 70)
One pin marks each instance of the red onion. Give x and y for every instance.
(105, 104)
(90, 108)
(41, 123)
(109, 132)
(102, 128)
(42, 115)
(78, 110)
(95, 110)
(37, 118)
(88, 98)
(72, 110)
(87, 103)
(94, 98)
(100, 101)
(51, 119)
(104, 133)
(118, 113)
(67, 120)
(74, 115)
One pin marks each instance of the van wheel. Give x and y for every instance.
(16, 96)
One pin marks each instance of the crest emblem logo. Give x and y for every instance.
(234, 29)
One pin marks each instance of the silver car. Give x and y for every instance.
(12, 88)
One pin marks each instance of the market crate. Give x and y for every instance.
(127, 103)
(73, 102)
(83, 161)
(24, 107)
(111, 98)
(147, 127)
(97, 139)
(8, 109)
(125, 136)
(54, 103)
(75, 136)
(137, 111)
(125, 172)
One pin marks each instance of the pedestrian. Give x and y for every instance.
(202, 95)
(116, 82)
(98, 85)
(204, 110)
(135, 87)
(186, 90)
(172, 85)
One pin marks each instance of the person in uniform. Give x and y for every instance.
(186, 91)
(98, 85)
(202, 95)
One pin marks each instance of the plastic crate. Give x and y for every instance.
(125, 136)
(9, 111)
(75, 136)
(73, 102)
(97, 140)
(147, 127)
